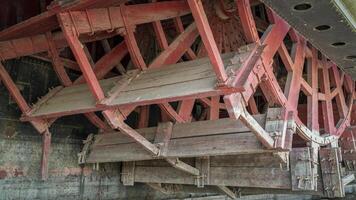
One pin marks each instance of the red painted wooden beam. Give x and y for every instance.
(177, 48)
(40, 125)
(81, 57)
(208, 39)
(36, 44)
(105, 64)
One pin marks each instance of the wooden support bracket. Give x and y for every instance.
(280, 127)
(163, 136)
(128, 173)
(238, 111)
(303, 177)
(330, 159)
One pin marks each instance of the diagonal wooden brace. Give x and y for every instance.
(163, 136)
(117, 121)
(237, 110)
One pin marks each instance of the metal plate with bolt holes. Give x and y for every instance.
(328, 25)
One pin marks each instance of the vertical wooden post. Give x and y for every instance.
(46, 148)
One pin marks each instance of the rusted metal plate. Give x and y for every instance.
(325, 25)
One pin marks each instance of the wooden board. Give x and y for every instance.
(171, 83)
(205, 138)
(224, 176)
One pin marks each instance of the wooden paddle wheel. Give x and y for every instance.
(218, 95)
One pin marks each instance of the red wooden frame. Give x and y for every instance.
(256, 71)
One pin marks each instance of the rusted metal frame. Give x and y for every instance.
(65, 80)
(208, 40)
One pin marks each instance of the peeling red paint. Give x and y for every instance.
(3, 174)
(11, 171)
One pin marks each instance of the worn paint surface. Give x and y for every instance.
(20, 149)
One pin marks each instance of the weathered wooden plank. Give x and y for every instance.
(183, 130)
(128, 173)
(228, 144)
(303, 177)
(331, 172)
(224, 176)
(195, 80)
(250, 160)
(203, 138)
